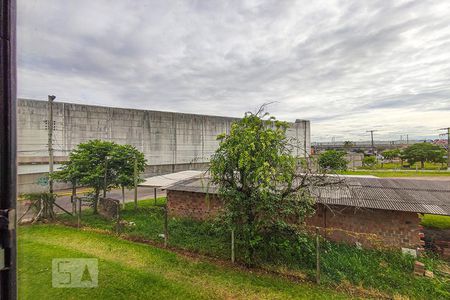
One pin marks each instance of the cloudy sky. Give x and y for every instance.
(348, 66)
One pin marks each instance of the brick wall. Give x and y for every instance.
(198, 206)
(369, 227)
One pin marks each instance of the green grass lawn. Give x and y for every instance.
(436, 222)
(129, 270)
(428, 166)
(384, 271)
(399, 173)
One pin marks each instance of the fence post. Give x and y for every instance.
(155, 195)
(166, 231)
(118, 219)
(232, 246)
(79, 212)
(135, 175)
(317, 256)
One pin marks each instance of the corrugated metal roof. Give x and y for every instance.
(169, 179)
(421, 196)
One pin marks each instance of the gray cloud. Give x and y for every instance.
(348, 66)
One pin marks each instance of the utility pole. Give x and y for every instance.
(135, 182)
(51, 98)
(448, 146)
(371, 138)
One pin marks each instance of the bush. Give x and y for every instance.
(369, 161)
(333, 160)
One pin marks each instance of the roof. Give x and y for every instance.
(412, 195)
(168, 179)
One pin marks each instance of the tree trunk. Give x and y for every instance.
(74, 198)
(97, 194)
(123, 196)
(250, 236)
(422, 165)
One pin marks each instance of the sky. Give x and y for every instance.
(348, 66)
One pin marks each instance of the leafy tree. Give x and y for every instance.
(123, 159)
(258, 180)
(348, 145)
(101, 165)
(369, 161)
(69, 173)
(333, 160)
(423, 152)
(391, 154)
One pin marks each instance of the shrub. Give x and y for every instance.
(369, 161)
(333, 160)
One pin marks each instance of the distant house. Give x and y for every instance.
(374, 212)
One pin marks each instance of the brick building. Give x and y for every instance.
(372, 212)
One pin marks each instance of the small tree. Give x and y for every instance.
(369, 161)
(69, 174)
(100, 165)
(124, 159)
(333, 160)
(348, 145)
(391, 154)
(423, 152)
(260, 184)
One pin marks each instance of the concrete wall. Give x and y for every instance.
(354, 160)
(170, 141)
(372, 228)
(28, 183)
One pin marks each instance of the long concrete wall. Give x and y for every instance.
(170, 141)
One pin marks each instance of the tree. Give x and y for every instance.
(369, 161)
(69, 174)
(101, 165)
(423, 152)
(260, 183)
(348, 145)
(391, 154)
(333, 160)
(124, 159)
